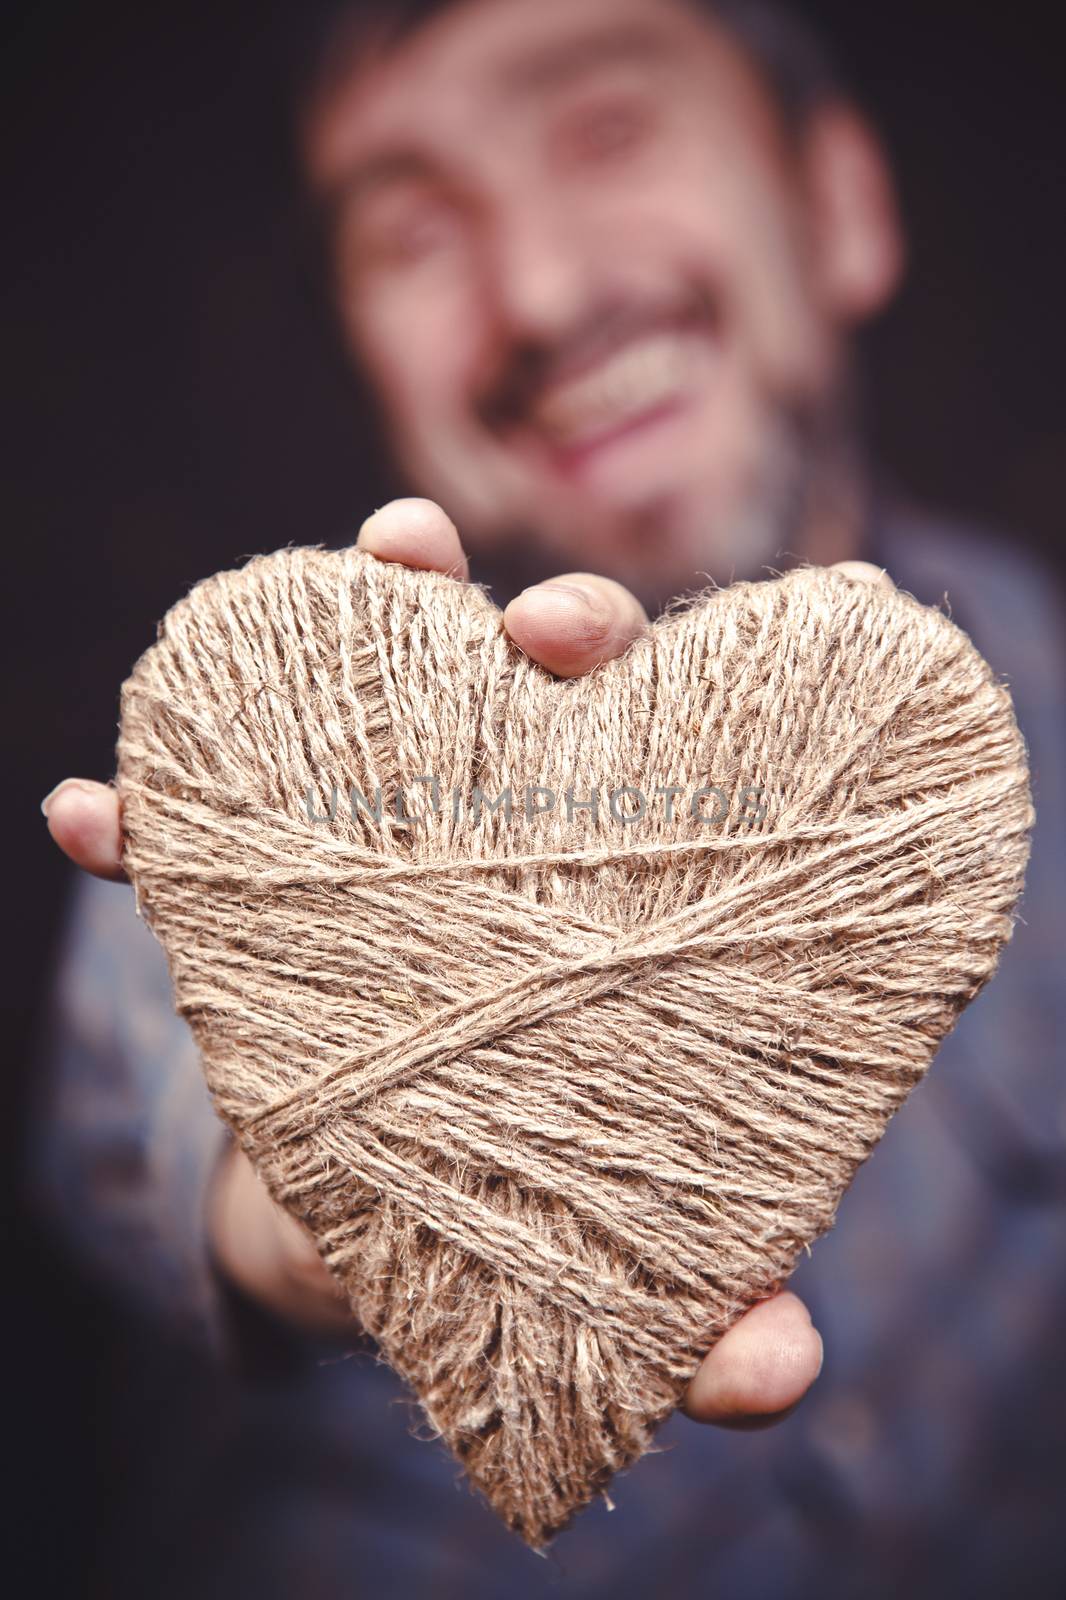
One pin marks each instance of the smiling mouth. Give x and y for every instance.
(631, 387)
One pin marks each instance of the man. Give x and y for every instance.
(601, 262)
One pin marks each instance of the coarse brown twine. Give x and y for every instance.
(560, 1091)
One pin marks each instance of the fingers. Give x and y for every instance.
(267, 1253)
(760, 1370)
(568, 624)
(572, 623)
(83, 816)
(416, 533)
(83, 819)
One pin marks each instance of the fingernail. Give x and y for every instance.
(579, 611)
(66, 783)
(586, 594)
(863, 572)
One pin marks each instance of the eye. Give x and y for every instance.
(605, 129)
(405, 232)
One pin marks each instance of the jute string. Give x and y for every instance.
(560, 1096)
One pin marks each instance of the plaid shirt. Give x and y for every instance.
(931, 1454)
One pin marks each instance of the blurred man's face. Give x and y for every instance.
(575, 259)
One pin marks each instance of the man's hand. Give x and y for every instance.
(764, 1365)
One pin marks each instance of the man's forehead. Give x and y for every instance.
(482, 56)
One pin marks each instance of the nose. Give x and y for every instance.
(538, 267)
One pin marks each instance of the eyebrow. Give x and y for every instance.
(552, 66)
(556, 64)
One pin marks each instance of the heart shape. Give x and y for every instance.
(561, 1092)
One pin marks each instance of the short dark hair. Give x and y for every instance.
(798, 66)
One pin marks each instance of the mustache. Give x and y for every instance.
(528, 366)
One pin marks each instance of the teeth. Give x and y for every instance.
(623, 386)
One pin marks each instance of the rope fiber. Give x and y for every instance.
(560, 1092)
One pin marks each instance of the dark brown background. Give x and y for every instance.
(176, 404)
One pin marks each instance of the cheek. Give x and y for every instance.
(418, 347)
(774, 289)
(734, 225)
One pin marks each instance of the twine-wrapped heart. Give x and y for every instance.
(563, 1012)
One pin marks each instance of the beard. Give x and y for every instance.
(671, 546)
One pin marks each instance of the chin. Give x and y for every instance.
(675, 544)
